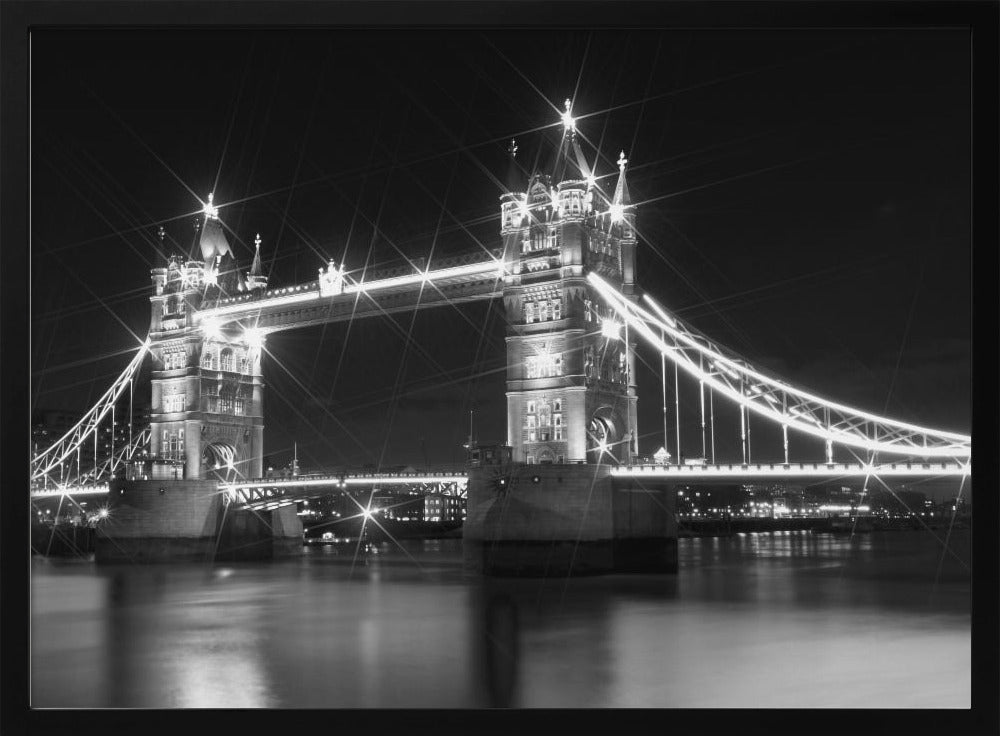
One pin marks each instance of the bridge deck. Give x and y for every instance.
(457, 281)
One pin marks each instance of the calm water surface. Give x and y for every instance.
(783, 620)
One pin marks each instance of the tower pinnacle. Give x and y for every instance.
(210, 210)
(567, 117)
(621, 198)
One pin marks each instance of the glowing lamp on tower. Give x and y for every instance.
(211, 328)
(617, 212)
(611, 329)
(254, 337)
(210, 210)
(567, 119)
(522, 209)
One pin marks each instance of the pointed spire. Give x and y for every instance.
(621, 190)
(570, 163)
(515, 176)
(255, 267)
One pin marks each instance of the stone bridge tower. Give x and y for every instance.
(571, 393)
(207, 389)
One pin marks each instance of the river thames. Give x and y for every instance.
(783, 620)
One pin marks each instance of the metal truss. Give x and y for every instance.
(730, 375)
(84, 432)
(281, 491)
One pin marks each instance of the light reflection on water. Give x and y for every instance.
(760, 620)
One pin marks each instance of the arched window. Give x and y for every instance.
(226, 362)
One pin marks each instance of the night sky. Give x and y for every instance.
(806, 203)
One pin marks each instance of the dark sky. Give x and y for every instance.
(806, 204)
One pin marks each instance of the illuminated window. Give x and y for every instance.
(557, 309)
(550, 239)
(544, 415)
(531, 366)
(557, 405)
(525, 245)
(244, 365)
(588, 362)
(530, 421)
(587, 308)
(208, 360)
(538, 240)
(543, 311)
(531, 407)
(531, 459)
(226, 362)
(529, 312)
(172, 447)
(174, 402)
(174, 359)
(532, 436)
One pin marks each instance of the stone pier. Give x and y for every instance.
(188, 520)
(566, 519)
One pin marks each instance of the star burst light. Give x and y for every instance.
(254, 337)
(522, 208)
(211, 328)
(611, 329)
(210, 210)
(567, 118)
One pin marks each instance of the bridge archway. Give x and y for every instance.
(604, 437)
(219, 460)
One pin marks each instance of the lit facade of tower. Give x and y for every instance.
(571, 393)
(207, 388)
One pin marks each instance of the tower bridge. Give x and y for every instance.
(565, 272)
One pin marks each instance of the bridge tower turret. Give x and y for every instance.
(570, 365)
(207, 388)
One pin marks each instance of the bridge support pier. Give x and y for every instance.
(187, 520)
(566, 519)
